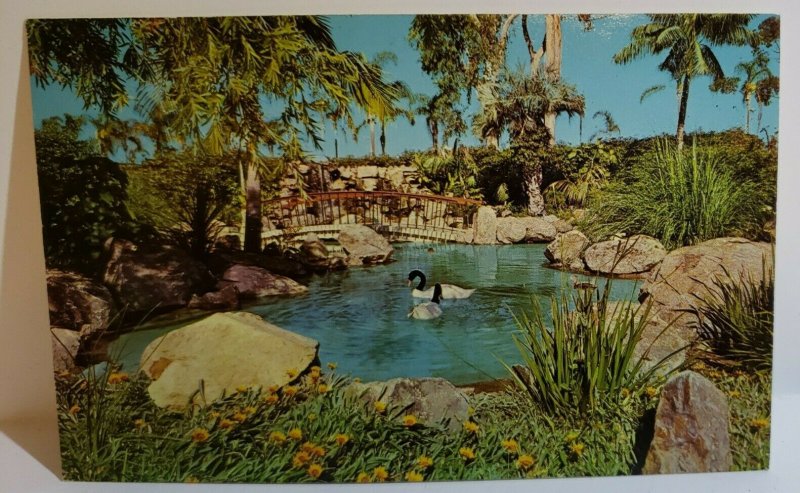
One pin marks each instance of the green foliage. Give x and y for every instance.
(111, 431)
(587, 359)
(82, 196)
(592, 162)
(449, 173)
(679, 197)
(735, 320)
(187, 198)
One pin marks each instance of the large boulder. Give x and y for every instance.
(686, 274)
(223, 352)
(691, 428)
(561, 225)
(66, 344)
(485, 226)
(78, 303)
(567, 249)
(539, 229)
(364, 246)
(510, 230)
(634, 255)
(153, 278)
(314, 255)
(255, 282)
(431, 400)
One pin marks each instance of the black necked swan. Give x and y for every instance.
(449, 291)
(429, 309)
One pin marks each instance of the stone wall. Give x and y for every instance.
(328, 177)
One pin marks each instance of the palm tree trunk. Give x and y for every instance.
(760, 114)
(533, 184)
(383, 139)
(433, 128)
(552, 68)
(371, 136)
(252, 227)
(747, 114)
(682, 112)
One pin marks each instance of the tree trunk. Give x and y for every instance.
(433, 128)
(747, 114)
(552, 67)
(533, 185)
(682, 112)
(252, 228)
(383, 139)
(371, 136)
(758, 119)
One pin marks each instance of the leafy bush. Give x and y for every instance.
(678, 197)
(587, 359)
(736, 319)
(82, 196)
(186, 197)
(449, 173)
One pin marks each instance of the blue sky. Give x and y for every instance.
(587, 63)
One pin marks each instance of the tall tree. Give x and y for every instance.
(688, 40)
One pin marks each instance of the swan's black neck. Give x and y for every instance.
(417, 273)
(437, 293)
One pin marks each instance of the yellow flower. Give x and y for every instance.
(300, 459)
(576, 449)
(409, 420)
(380, 473)
(242, 389)
(308, 446)
(289, 390)
(341, 439)
(380, 407)
(226, 423)
(277, 437)
(424, 462)
(311, 416)
(362, 477)
(332, 366)
(191, 479)
(75, 409)
(199, 435)
(322, 388)
(318, 451)
(624, 393)
(470, 411)
(296, 434)
(249, 410)
(314, 470)
(213, 415)
(271, 399)
(139, 423)
(471, 427)
(759, 423)
(315, 369)
(117, 377)
(291, 373)
(272, 389)
(571, 436)
(651, 392)
(239, 417)
(467, 453)
(510, 445)
(413, 476)
(733, 394)
(525, 462)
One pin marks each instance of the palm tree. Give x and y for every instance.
(688, 40)
(753, 72)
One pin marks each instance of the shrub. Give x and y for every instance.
(735, 320)
(681, 198)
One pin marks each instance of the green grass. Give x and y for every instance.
(680, 197)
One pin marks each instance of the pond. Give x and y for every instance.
(360, 318)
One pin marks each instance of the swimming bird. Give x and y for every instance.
(429, 309)
(449, 291)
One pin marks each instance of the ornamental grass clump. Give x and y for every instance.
(735, 320)
(588, 357)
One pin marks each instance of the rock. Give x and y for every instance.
(367, 172)
(686, 273)
(467, 236)
(223, 351)
(315, 255)
(78, 303)
(364, 246)
(431, 400)
(691, 428)
(228, 242)
(632, 255)
(567, 249)
(66, 344)
(561, 225)
(510, 230)
(255, 282)
(159, 277)
(225, 299)
(538, 229)
(485, 226)
(505, 213)
(369, 184)
(272, 260)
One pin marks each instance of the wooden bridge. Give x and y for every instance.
(399, 216)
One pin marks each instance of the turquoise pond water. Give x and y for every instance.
(360, 319)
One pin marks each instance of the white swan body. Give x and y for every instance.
(449, 291)
(429, 309)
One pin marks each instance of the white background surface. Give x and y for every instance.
(28, 435)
